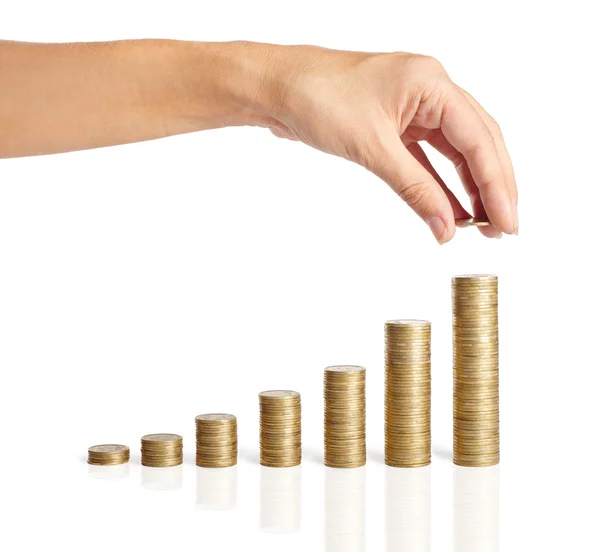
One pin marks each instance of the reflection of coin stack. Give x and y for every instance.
(280, 433)
(476, 400)
(476, 509)
(216, 440)
(216, 488)
(407, 393)
(280, 500)
(162, 450)
(158, 479)
(108, 455)
(408, 510)
(345, 433)
(345, 518)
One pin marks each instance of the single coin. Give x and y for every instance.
(216, 417)
(162, 437)
(464, 222)
(279, 394)
(108, 448)
(345, 369)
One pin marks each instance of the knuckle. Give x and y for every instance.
(457, 159)
(473, 150)
(415, 194)
(431, 61)
(431, 65)
(495, 127)
(422, 65)
(477, 149)
(486, 185)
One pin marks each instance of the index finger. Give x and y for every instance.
(467, 132)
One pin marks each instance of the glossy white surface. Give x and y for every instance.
(141, 286)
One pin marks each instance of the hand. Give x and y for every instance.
(374, 109)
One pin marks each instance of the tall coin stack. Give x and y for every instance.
(280, 432)
(345, 417)
(162, 450)
(407, 393)
(476, 384)
(216, 440)
(108, 455)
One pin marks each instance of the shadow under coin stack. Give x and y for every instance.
(108, 455)
(345, 416)
(162, 450)
(476, 383)
(280, 431)
(216, 441)
(407, 393)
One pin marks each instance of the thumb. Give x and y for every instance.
(416, 186)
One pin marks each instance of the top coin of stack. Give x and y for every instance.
(476, 379)
(407, 393)
(280, 432)
(345, 417)
(216, 440)
(108, 455)
(162, 450)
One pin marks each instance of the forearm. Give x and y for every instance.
(62, 97)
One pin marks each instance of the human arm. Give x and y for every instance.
(372, 109)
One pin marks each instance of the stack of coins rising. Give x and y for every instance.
(280, 433)
(108, 455)
(345, 432)
(162, 450)
(407, 393)
(216, 440)
(476, 399)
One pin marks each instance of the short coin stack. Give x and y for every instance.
(345, 417)
(280, 431)
(407, 393)
(108, 455)
(476, 398)
(216, 440)
(162, 450)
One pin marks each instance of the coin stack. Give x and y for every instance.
(216, 440)
(108, 455)
(345, 432)
(162, 450)
(476, 398)
(280, 433)
(407, 393)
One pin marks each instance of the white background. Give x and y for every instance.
(144, 284)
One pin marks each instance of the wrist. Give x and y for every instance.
(235, 83)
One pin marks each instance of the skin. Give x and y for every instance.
(372, 109)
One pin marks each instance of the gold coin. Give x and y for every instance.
(108, 455)
(407, 393)
(280, 428)
(162, 450)
(475, 372)
(465, 222)
(216, 440)
(345, 431)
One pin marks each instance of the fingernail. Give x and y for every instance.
(498, 236)
(438, 228)
(516, 222)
